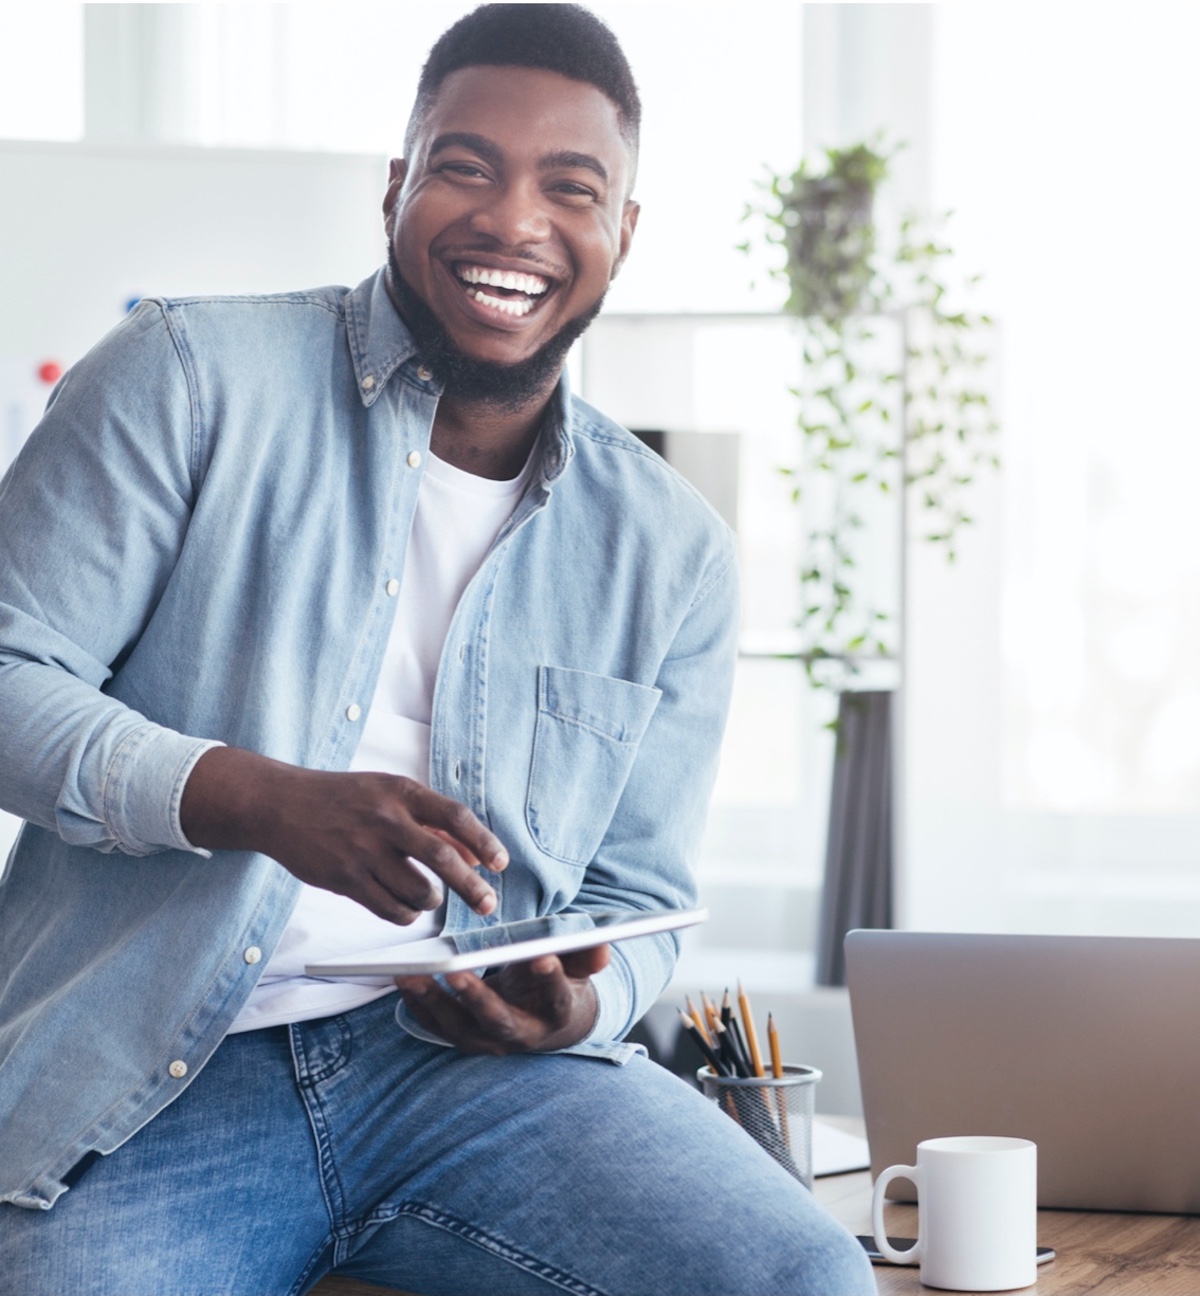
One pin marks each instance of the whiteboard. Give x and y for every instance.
(85, 229)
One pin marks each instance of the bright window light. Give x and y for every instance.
(41, 71)
(721, 99)
(1064, 140)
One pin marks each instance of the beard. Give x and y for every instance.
(505, 387)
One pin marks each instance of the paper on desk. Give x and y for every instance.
(836, 1152)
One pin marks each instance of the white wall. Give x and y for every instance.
(90, 226)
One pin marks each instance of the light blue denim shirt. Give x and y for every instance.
(195, 547)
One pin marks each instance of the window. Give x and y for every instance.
(41, 71)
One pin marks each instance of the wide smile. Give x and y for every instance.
(501, 296)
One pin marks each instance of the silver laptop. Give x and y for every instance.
(1089, 1045)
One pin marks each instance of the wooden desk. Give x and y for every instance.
(333, 1285)
(1099, 1253)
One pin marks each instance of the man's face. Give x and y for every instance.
(511, 215)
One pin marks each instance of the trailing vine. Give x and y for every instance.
(892, 387)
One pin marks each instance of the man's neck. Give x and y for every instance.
(484, 440)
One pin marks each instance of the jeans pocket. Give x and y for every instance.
(587, 735)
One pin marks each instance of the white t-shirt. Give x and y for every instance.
(457, 518)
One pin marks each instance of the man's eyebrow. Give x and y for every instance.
(490, 152)
(567, 159)
(465, 139)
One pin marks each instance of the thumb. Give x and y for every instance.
(585, 962)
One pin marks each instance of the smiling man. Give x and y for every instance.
(329, 620)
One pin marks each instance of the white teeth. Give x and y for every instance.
(534, 285)
(510, 306)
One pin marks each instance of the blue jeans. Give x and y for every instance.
(344, 1144)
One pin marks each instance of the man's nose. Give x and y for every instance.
(513, 214)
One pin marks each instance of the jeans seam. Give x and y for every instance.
(302, 1279)
(503, 1250)
(333, 1191)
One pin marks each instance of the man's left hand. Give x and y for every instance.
(548, 1003)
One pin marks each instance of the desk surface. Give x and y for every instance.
(1098, 1252)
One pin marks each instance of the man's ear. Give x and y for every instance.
(397, 170)
(629, 220)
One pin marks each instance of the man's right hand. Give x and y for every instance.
(355, 834)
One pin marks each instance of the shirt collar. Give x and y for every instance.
(379, 339)
(556, 440)
(380, 343)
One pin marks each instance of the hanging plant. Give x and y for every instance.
(891, 395)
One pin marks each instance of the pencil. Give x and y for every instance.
(710, 1012)
(729, 1051)
(740, 1044)
(695, 1016)
(777, 1072)
(773, 1041)
(706, 1049)
(726, 1009)
(751, 1033)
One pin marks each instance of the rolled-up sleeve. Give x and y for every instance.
(92, 517)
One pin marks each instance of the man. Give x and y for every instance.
(330, 612)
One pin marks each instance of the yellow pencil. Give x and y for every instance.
(777, 1072)
(710, 1013)
(751, 1033)
(773, 1042)
(698, 1020)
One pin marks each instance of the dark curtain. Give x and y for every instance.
(858, 851)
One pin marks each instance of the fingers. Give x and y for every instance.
(440, 857)
(470, 1020)
(538, 1008)
(382, 901)
(457, 826)
(451, 842)
(464, 851)
(586, 962)
(502, 1023)
(360, 833)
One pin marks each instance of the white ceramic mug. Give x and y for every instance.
(977, 1199)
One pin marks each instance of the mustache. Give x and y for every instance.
(505, 387)
(531, 260)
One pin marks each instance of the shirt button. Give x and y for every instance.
(353, 711)
(368, 382)
(414, 458)
(253, 954)
(178, 1069)
(424, 373)
(392, 587)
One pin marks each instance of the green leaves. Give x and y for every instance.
(894, 394)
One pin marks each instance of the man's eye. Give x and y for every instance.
(572, 190)
(468, 169)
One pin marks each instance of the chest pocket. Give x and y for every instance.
(587, 735)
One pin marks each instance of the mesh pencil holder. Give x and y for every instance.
(777, 1114)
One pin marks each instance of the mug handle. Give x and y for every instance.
(889, 1252)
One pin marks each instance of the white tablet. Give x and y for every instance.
(511, 942)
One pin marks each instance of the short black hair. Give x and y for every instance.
(565, 38)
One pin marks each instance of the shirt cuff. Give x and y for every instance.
(614, 991)
(144, 790)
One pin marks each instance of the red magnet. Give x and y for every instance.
(50, 371)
